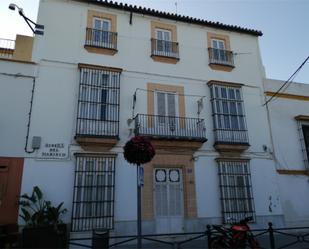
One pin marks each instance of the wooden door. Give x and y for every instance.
(168, 200)
(11, 170)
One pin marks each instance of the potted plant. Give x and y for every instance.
(43, 225)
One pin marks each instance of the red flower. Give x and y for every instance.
(139, 150)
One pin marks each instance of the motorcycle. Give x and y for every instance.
(238, 236)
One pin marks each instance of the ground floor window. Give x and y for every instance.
(93, 200)
(236, 190)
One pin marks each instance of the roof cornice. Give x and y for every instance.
(172, 16)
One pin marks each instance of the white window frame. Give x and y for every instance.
(101, 37)
(166, 120)
(219, 54)
(164, 46)
(228, 113)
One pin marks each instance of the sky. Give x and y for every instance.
(284, 23)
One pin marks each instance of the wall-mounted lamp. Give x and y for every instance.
(38, 28)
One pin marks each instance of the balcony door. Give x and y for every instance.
(168, 199)
(101, 32)
(219, 52)
(164, 42)
(166, 108)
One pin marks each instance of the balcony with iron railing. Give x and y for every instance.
(170, 128)
(221, 57)
(100, 39)
(7, 48)
(164, 51)
(231, 139)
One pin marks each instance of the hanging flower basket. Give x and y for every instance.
(139, 150)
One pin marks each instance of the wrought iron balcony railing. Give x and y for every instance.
(164, 48)
(7, 48)
(221, 57)
(101, 39)
(228, 136)
(167, 127)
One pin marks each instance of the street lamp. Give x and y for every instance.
(38, 28)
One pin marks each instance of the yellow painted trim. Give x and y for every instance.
(111, 17)
(18, 61)
(159, 25)
(302, 118)
(224, 83)
(288, 96)
(293, 172)
(224, 38)
(106, 51)
(114, 69)
(221, 67)
(164, 59)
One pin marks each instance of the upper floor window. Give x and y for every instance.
(228, 114)
(220, 56)
(164, 46)
(101, 36)
(98, 102)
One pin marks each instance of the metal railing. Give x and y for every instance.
(229, 136)
(7, 48)
(101, 39)
(267, 238)
(164, 48)
(221, 57)
(168, 127)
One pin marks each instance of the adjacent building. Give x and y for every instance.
(289, 122)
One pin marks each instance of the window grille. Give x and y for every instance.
(93, 200)
(236, 190)
(98, 103)
(228, 114)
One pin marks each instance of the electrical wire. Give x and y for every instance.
(288, 81)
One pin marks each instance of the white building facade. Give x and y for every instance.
(289, 116)
(106, 72)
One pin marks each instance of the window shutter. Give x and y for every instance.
(306, 137)
(161, 104)
(171, 104)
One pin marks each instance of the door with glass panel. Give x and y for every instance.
(164, 42)
(166, 109)
(219, 53)
(168, 199)
(101, 32)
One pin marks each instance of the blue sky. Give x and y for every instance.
(284, 23)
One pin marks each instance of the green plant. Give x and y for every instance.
(36, 211)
